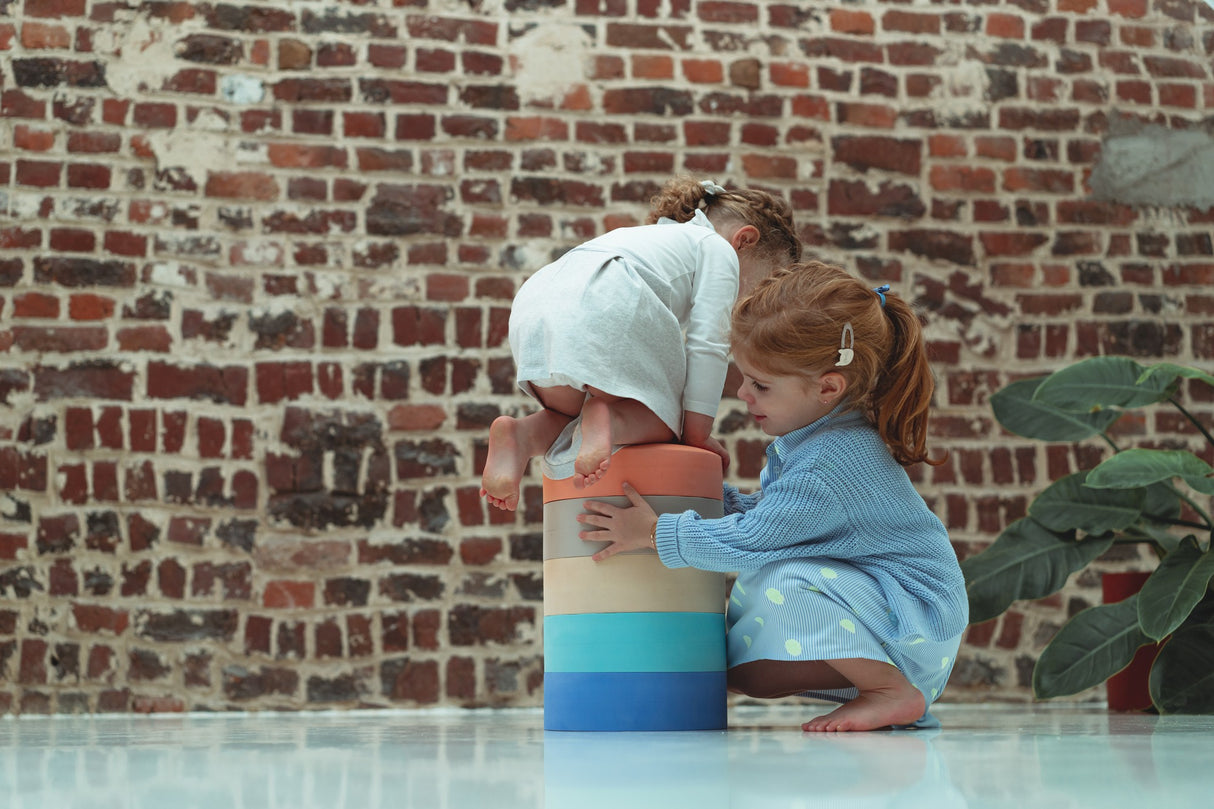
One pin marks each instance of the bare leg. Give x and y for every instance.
(607, 421)
(886, 697)
(513, 442)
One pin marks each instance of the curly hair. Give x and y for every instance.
(681, 197)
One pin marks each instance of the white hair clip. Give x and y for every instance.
(712, 188)
(847, 344)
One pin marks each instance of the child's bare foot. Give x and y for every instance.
(873, 709)
(505, 465)
(581, 481)
(595, 454)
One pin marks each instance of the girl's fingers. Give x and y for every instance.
(633, 495)
(595, 507)
(605, 553)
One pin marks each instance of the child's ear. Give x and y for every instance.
(831, 387)
(743, 237)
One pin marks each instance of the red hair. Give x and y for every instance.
(792, 324)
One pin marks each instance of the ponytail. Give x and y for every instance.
(791, 324)
(902, 393)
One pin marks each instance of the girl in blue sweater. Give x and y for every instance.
(848, 588)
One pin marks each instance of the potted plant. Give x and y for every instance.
(1137, 495)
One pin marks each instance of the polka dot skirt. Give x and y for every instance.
(823, 609)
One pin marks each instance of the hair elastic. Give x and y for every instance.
(847, 343)
(881, 290)
(712, 188)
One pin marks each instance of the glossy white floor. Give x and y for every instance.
(985, 756)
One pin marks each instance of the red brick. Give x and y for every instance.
(145, 338)
(280, 594)
(242, 185)
(996, 147)
(1046, 180)
(109, 428)
(1004, 26)
(95, 619)
(727, 12)
(31, 669)
(122, 243)
(701, 71)
(655, 66)
(40, 174)
(74, 487)
(910, 22)
(59, 340)
(36, 305)
(1018, 243)
(851, 22)
(1128, 8)
(479, 551)
(33, 140)
(962, 178)
(789, 74)
(1137, 92)
(866, 115)
(808, 106)
(105, 482)
(416, 417)
(1178, 95)
(41, 36)
(56, 9)
(874, 152)
(72, 240)
(12, 544)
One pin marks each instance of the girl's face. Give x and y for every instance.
(781, 404)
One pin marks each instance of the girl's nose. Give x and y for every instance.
(742, 393)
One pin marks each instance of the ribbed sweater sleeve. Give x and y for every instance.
(832, 491)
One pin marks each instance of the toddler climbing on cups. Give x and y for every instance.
(623, 339)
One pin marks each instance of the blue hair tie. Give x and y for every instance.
(881, 290)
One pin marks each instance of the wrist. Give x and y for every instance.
(653, 536)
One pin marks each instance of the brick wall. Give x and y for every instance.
(256, 262)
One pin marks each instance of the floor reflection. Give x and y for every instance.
(1001, 756)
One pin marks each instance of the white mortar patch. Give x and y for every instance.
(550, 61)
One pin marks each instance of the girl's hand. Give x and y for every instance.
(713, 445)
(627, 528)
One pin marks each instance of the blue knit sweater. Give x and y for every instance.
(832, 491)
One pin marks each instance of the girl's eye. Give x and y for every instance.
(759, 388)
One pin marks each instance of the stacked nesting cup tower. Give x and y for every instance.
(630, 644)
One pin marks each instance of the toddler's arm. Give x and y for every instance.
(697, 432)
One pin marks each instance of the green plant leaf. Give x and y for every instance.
(1174, 589)
(1070, 505)
(1018, 412)
(1182, 677)
(1093, 646)
(1099, 383)
(1026, 561)
(1165, 373)
(1132, 468)
(1159, 504)
(1159, 500)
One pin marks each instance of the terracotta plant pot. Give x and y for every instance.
(1128, 689)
